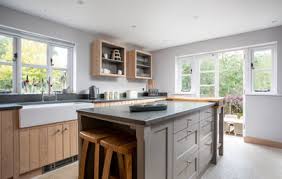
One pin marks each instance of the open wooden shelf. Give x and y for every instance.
(139, 65)
(100, 63)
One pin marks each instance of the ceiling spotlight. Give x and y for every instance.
(80, 2)
(274, 21)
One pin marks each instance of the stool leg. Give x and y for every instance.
(121, 165)
(96, 161)
(128, 166)
(107, 163)
(83, 159)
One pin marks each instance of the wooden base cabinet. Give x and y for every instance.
(43, 145)
(8, 143)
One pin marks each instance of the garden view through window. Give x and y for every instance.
(38, 62)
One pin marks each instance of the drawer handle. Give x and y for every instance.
(205, 125)
(187, 165)
(208, 112)
(185, 137)
(209, 143)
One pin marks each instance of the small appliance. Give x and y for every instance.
(93, 92)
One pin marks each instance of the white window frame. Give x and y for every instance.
(178, 68)
(247, 71)
(17, 35)
(273, 70)
(215, 71)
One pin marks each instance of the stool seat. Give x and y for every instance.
(92, 136)
(95, 135)
(124, 146)
(120, 143)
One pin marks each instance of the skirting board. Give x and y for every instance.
(254, 140)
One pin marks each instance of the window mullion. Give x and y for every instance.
(18, 65)
(49, 65)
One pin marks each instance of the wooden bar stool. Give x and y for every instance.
(92, 136)
(124, 146)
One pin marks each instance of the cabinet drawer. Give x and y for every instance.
(206, 127)
(206, 152)
(186, 167)
(186, 139)
(206, 113)
(186, 121)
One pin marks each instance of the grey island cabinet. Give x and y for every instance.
(173, 144)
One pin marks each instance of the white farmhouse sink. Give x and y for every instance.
(41, 114)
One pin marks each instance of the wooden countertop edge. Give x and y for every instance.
(194, 99)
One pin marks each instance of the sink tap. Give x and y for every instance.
(49, 85)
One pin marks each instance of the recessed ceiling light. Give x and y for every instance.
(80, 2)
(274, 21)
(195, 17)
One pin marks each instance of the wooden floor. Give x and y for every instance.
(241, 161)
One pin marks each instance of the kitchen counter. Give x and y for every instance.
(9, 107)
(165, 139)
(122, 113)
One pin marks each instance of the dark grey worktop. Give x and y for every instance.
(18, 105)
(9, 107)
(122, 113)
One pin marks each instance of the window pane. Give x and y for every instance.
(186, 84)
(186, 69)
(207, 63)
(60, 57)
(207, 78)
(231, 73)
(33, 52)
(6, 78)
(207, 91)
(263, 59)
(32, 79)
(6, 48)
(59, 80)
(262, 81)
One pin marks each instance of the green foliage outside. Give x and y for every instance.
(33, 53)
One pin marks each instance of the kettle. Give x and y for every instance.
(93, 92)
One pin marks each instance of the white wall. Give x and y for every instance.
(264, 117)
(263, 113)
(82, 40)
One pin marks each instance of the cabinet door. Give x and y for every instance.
(73, 138)
(7, 143)
(66, 140)
(43, 146)
(55, 143)
(160, 152)
(34, 137)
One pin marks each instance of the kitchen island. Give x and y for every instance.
(172, 144)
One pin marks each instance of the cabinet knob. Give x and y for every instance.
(57, 131)
(65, 129)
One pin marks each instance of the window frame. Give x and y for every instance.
(179, 75)
(215, 71)
(247, 71)
(17, 35)
(273, 69)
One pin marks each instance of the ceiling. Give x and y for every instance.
(157, 24)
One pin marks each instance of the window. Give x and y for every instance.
(59, 63)
(184, 74)
(207, 75)
(6, 64)
(262, 69)
(231, 75)
(39, 60)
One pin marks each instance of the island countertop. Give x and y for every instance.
(122, 113)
